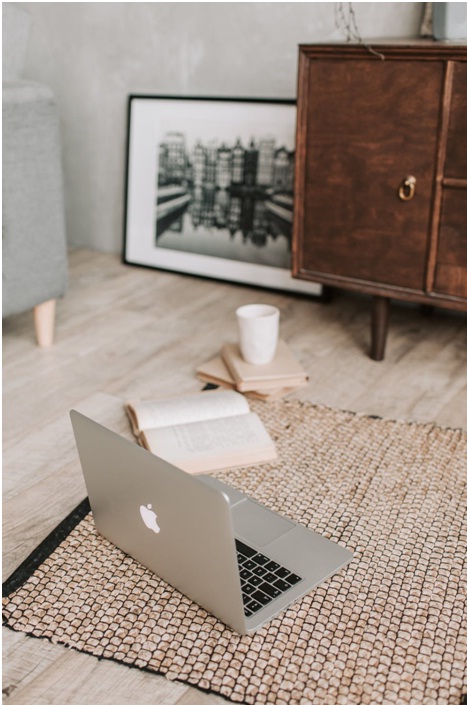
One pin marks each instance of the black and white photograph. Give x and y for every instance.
(210, 188)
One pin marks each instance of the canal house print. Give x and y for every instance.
(225, 198)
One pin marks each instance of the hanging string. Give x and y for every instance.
(346, 22)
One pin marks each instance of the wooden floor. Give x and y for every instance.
(128, 332)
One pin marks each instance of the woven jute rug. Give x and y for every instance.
(390, 628)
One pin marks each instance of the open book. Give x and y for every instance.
(200, 432)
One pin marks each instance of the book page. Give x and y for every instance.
(171, 411)
(220, 439)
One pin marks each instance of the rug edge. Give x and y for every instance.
(24, 571)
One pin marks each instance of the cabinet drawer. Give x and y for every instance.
(451, 264)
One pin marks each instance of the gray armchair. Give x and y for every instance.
(33, 234)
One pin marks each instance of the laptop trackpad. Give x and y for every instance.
(258, 525)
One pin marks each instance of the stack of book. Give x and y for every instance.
(267, 382)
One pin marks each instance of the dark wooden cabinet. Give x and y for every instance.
(381, 173)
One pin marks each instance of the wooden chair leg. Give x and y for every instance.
(44, 323)
(379, 326)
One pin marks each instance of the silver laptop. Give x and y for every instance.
(237, 559)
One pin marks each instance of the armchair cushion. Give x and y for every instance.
(34, 245)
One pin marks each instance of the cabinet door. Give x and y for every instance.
(369, 124)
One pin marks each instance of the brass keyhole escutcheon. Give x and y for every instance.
(407, 188)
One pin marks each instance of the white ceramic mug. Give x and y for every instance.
(258, 332)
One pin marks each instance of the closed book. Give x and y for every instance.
(283, 371)
(215, 372)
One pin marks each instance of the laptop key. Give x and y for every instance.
(283, 573)
(282, 585)
(249, 565)
(245, 574)
(254, 606)
(293, 579)
(255, 580)
(248, 589)
(244, 549)
(270, 590)
(269, 577)
(261, 597)
(261, 559)
(259, 570)
(272, 566)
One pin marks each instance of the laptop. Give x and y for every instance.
(234, 557)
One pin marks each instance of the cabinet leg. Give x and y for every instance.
(427, 310)
(327, 294)
(379, 326)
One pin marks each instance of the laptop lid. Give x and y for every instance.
(171, 522)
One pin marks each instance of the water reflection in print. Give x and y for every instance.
(246, 224)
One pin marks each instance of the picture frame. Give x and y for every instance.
(209, 188)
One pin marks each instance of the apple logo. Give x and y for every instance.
(150, 518)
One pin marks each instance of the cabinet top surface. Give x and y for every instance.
(402, 47)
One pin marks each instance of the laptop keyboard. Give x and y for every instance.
(262, 579)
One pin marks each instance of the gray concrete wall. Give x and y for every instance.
(94, 54)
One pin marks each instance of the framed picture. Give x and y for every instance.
(209, 188)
